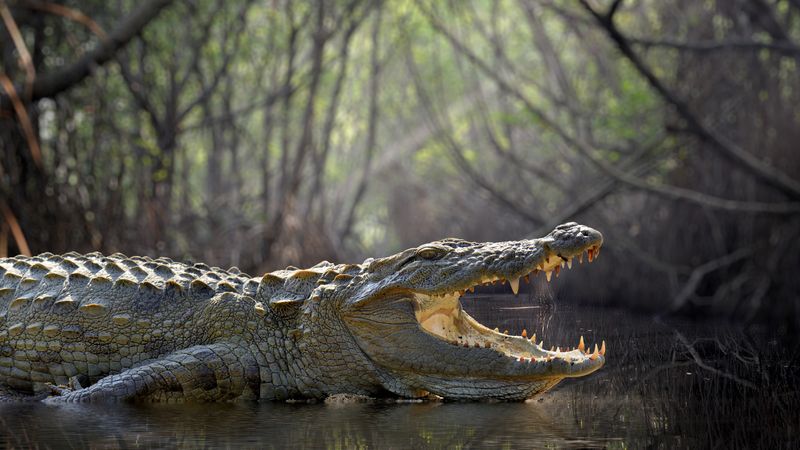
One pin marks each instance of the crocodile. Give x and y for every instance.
(78, 328)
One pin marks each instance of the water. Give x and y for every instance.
(667, 384)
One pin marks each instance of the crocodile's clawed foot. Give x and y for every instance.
(59, 392)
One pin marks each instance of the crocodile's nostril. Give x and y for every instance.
(584, 232)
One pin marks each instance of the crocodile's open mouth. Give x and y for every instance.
(442, 316)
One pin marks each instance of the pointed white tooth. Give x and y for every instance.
(569, 263)
(549, 275)
(562, 263)
(514, 282)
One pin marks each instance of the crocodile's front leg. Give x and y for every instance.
(203, 373)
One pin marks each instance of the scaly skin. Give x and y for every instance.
(96, 328)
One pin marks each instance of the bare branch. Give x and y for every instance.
(762, 171)
(703, 365)
(25, 60)
(785, 48)
(613, 9)
(67, 12)
(458, 153)
(701, 271)
(585, 149)
(24, 119)
(50, 84)
(16, 230)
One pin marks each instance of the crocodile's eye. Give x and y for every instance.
(431, 252)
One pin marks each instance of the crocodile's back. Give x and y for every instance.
(90, 315)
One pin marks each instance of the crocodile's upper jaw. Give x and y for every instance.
(414, 327)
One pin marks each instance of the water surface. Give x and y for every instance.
(667, 384)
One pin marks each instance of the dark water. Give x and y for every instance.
(667, 384)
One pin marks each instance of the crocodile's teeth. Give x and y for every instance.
(549, 275)
(533, 339)
(562, 263)
(591, 254)
(569, 263)
(580, 258)
(514, 285)
(524, 333)
(581, 345)
(603, 348)
(557, 270)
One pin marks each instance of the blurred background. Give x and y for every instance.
(265, 133)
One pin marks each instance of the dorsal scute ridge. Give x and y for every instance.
(51, 278)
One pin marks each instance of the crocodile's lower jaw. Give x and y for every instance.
(443, 317)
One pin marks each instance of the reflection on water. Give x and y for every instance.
(666, 385)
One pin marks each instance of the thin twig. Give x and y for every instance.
(25, 59)
(24, 119)
(703, 365)
(704, 269)
(69, 13)
(712, 46)
(16, 230)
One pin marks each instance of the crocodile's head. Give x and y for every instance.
(404, 313)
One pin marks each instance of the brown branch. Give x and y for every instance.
(24, 119)
(728, 150)
(25, 60)
(3, 240)
(51, 84)
(68, 13)
(16, 230)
